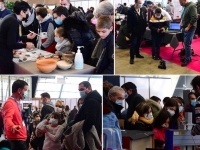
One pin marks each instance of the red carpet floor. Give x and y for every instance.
(166, 53)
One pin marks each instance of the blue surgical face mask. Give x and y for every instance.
(57, 40)
(181, 108)
(83, 94)
(193, 103)
(139, 5)
(58, 22)
(118, 102)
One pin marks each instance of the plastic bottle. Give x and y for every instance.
(78, 61)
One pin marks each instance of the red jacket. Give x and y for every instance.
(12, 116)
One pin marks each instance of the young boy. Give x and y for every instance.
(105, 64)
(158, 25)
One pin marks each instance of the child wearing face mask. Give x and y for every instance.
(157, 24)
(161, 124)
(53, 131)
(144, 120)
(63, 44)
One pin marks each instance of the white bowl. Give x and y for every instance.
(63, 65)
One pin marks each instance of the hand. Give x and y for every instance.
(158, 30)
(163, 30)
(187, 29)
(29, 45)
(15, 129)
(31, 35)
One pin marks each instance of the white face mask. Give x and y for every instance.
(148, 116)
(53, 121)
(172, 112)
(67, 7)
(165, 126)
(58, 109)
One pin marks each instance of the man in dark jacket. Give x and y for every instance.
(91, 110)
(116, 95)
(48, 106)
(72, 114)
(133, 100)
(68, 5)
(105, 64)
(9, 36)
(136, 24)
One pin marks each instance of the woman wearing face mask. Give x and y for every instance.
(80, 103)
(157, 24)
(171, 106)
(145, 117)
(53, 132)
(161, 124)
(63, 44)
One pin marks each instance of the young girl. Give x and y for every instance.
(63, 44)
(161, 124)
(52, 130)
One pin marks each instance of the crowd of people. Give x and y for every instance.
(148, 115)
(58, 31)
(143, 16)
(52, 126)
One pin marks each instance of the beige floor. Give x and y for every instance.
(145, 66)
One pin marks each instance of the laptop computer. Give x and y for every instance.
(173, 27)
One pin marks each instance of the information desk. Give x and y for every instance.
(137, 140)
(30, 67)
(170, 37)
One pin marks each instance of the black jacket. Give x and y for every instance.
(72, 114)
(80, 34)
(46, 109)
(32, 27)
(9, 37)
(72, 9)
(136, 24)
(105, 64)
(123, 33)
(91, 112)
(116, 109)
(140, 125)
(133, 100)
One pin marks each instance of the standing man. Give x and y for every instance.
(3, 11)
(136, 24)
(9, 36)
(14, 126)
(68, 5)
(170, 8)
(188, 24)
(133, 100)
(48, 106)
(91, 110)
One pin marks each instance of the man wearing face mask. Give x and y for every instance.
(136, 24)
(116, 95)
(68, 5)
(91, 110)
(9, 37)
(133, 100)
(191, 105)
(3, 11)
(188, 24)
(48, 106)
(14, 126)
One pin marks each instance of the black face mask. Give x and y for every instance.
(25, 19)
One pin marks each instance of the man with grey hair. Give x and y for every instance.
(104, 8)
(68, 5)
(115, 95)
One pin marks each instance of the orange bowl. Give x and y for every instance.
(46, 65)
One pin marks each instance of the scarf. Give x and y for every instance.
(30, 19)
(62, 44)
(146, 120)
(134, 118)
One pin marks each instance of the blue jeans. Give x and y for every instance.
(187, 39)
(156, 43)
(135, 45)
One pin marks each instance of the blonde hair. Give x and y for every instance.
(60, 103)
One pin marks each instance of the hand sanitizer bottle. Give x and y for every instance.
(78, 61)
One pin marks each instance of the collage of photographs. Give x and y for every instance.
(99, 75)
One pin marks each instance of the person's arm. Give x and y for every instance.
(50, 36)
(193, 16)
(129, 22)
(8, 115)
(167, 15)
(57, 136)
(41, 127)
(11, 42)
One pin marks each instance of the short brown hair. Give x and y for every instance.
(61, 32)
(104, 22)
(42, 12)
(195, 82)
(2, 1)
(142, 108)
